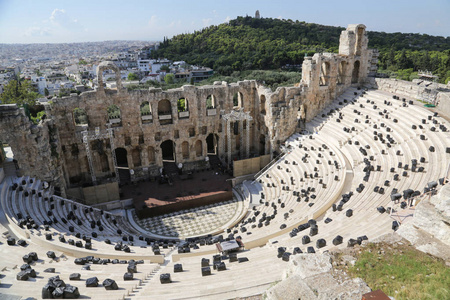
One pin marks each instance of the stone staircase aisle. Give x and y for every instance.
(154, 275)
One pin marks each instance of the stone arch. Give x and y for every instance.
(151, 155)
(198, 148)
(210, 102)
(360, 29)
(355, 73)
(342, 68)
(262, 144)
(121, 157)
(185, 150)
(168, 150)
(165, 112)
(212, 142)
(136, 156)
(182, 104)
(114, 115)
(145, 108)
(146, 112)
(238, 100)
(108, 65)
(325, 73)
(80, 116)
(262, 101)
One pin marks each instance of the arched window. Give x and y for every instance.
(151, 155)
(165, 112)
(262, 102)
(183, 108)
(136, 155)
(182, 104)
(80, 117)
(341, 72)
(146, 113)
(198, 148)
(210, 102)
(359, 37)
(185, 150)
(325, 73)
(355, 73)
(211, 105)
(238, 100)
(114, 116)
(108, 65)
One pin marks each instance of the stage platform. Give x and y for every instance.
(203, 185)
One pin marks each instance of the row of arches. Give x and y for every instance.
(114, 115)
(168, 152)
(325, 73)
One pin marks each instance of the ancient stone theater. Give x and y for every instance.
(335, 161)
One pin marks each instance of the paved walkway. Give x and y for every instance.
(193, 222)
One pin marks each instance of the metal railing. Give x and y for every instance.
(263, 170)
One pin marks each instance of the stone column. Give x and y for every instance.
(247, 139)
(229, 141)
(241, 138)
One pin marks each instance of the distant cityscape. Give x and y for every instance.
(62, 69)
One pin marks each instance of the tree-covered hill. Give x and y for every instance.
(248, 43)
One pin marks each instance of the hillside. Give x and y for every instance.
(247, 43)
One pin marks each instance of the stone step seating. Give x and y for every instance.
(348, 228)
(15, 203)
(296, 210)
(318, 121)
(238, 280)
(411, 147)
(64, 266)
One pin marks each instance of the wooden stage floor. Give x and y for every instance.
(152, 193)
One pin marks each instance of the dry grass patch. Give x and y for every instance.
(400, 271)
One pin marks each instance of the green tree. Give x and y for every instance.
(165, 68)
(169, 78)
(132, 76)
(46, 92)
(181, 104)
(20, 92)
(80, 116)
(63, 92)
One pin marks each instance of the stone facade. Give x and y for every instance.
(237, 120)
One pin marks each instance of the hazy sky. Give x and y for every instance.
(55, 21)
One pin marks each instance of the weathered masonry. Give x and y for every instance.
(97, 136)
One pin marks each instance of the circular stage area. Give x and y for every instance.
(198, 221)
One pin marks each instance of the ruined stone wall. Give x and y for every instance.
(414, 89)
(35, 147)
(144, 137)
(271, 117)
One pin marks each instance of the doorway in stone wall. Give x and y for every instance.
(262, 144)
(168, 151)
(122, 164)
(355, 73)
(212, 141)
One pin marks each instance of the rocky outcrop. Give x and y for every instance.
(429, 231)
(311, 277)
